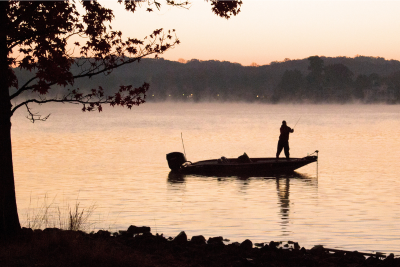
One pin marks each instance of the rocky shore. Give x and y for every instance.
(137, 246)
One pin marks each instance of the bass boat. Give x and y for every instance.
(237, 166)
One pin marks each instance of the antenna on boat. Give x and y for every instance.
(317, 161)
(183, 145)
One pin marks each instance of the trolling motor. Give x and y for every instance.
(175, 160)
(313, 155)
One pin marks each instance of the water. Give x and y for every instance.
(116, 161)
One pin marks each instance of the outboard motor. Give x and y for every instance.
(175, 160)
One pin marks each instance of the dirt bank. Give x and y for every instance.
(138, 247)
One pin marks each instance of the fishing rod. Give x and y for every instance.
(296, 122)
(183, 145)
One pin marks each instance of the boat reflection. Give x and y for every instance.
(176, 177)
(282, 188)
(282, 183)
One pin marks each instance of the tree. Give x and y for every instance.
(338, 75)
(315, 77)
(316, 66)
(338, 80)
(361, 84)
(289, 87)
(394, 85)
(35, 36)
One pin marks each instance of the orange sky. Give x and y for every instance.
(269, 30)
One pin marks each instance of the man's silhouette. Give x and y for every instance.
(283, 142)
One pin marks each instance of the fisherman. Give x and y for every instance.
(283, 142)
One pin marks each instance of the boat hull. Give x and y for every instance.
(256, 166)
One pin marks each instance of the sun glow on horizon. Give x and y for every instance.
(270, 31)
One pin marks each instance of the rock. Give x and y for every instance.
(339, 254)
(273, 244)
(215, 240)
(354, 257)
(247, 244)
(389, 259)
(260, 245)
(51, 230)
(198, 240)
(125, 233)
(74, 234)
(181, 238)
(26, 231)
(318, 250)
(372, 261)
(138, 230)
(265, 248)
(145, 239)
(102, 234)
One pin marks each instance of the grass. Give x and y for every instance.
(67, 217)
(75, 246)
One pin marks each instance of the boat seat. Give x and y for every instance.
(244, 158)
(223, 160)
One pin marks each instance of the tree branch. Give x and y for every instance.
(23, 88)
(35, 116)
(126, 96)
(104, 66)
(16, 42)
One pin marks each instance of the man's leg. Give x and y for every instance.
(286, 147)
(279, 149)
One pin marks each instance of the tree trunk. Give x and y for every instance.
(9, 221)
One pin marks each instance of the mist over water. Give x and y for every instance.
(116, 160)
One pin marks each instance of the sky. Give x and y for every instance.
(269, 30)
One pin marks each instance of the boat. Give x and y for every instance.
(242, 165)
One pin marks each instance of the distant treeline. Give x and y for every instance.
(311, 80)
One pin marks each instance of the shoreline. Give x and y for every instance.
(137, 246)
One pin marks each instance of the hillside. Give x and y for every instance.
(361, 78)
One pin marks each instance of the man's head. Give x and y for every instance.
(283, 122)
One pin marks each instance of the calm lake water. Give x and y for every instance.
(116, 161)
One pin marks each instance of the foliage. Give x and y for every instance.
(291, 81)
(194, 80)
(338, 75)
(226, 9)
(40, 32)
(35, 36)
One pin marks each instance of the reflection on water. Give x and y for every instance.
(177, 177)
(282, 188)
(283, 181)
(283, 191)
(116, 160)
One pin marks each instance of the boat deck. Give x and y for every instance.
(252, 160)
